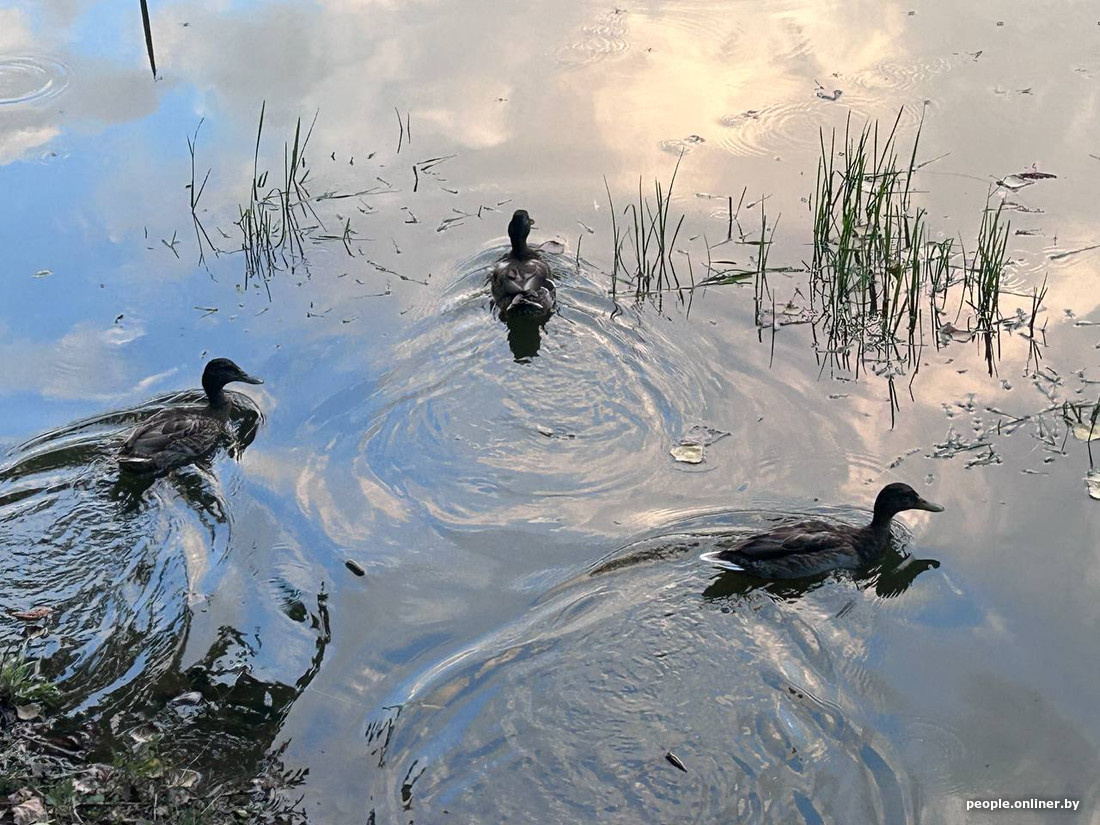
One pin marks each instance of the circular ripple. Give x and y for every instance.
(571, 710)
(771, 130)
(894, 76)
(465, 429)
(26, 79)
(682, 146)
(783, 127)
(595, 41)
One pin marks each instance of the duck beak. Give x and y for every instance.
(925, 504)
(252, 379)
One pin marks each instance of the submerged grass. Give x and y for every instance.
(274, 224)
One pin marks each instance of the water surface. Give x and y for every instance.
(476, 668)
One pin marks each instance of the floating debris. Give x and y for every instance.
(687, 453)
(825, 94)
(1057, 256)
(32, 615)
(544, 430)
(43, 273)
(355, 567)
(1092, 482)
(700, 434)
(682, 146)
(949, 332)
(1086, 432)
(693, 443)
(674, 760)
(1022, 179)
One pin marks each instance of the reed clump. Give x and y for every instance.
(643, 249)
(877, 278)
(278, 215)
(878, 282)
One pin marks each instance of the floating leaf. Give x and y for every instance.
(43, 273)
(674, 760)
(1086, 432)
(687, 453)
(1022, 179)
(1092, 482)
(32, 615)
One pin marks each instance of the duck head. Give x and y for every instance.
(896, 498)
(518, 230)
(222, 371)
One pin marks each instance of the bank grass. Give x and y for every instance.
(21, 682)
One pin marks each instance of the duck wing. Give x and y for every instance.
(514, 273)
(170, 439)
(540, 281)
(804, 538)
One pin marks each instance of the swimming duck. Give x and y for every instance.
(520, 280)
(178, 435)
(812, 547)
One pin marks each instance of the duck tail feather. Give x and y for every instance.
(715, 557)
(137, 464)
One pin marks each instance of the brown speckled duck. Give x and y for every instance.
(520, 281)
(179, 435)
(809, 548)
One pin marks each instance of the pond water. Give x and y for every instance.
(509, 654)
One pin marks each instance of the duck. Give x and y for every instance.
(520, 280)
(180, 435)
(810, 548)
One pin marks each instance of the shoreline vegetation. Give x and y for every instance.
(60, 770)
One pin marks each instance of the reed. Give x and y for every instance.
(273, 224)
(650, 232)
(147, 26)
(983, 281)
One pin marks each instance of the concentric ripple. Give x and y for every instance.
(567, 715)
(26, 79)
(466, 429)
(894, 76)
(603, 37)
(796, 125)
(781, 127)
